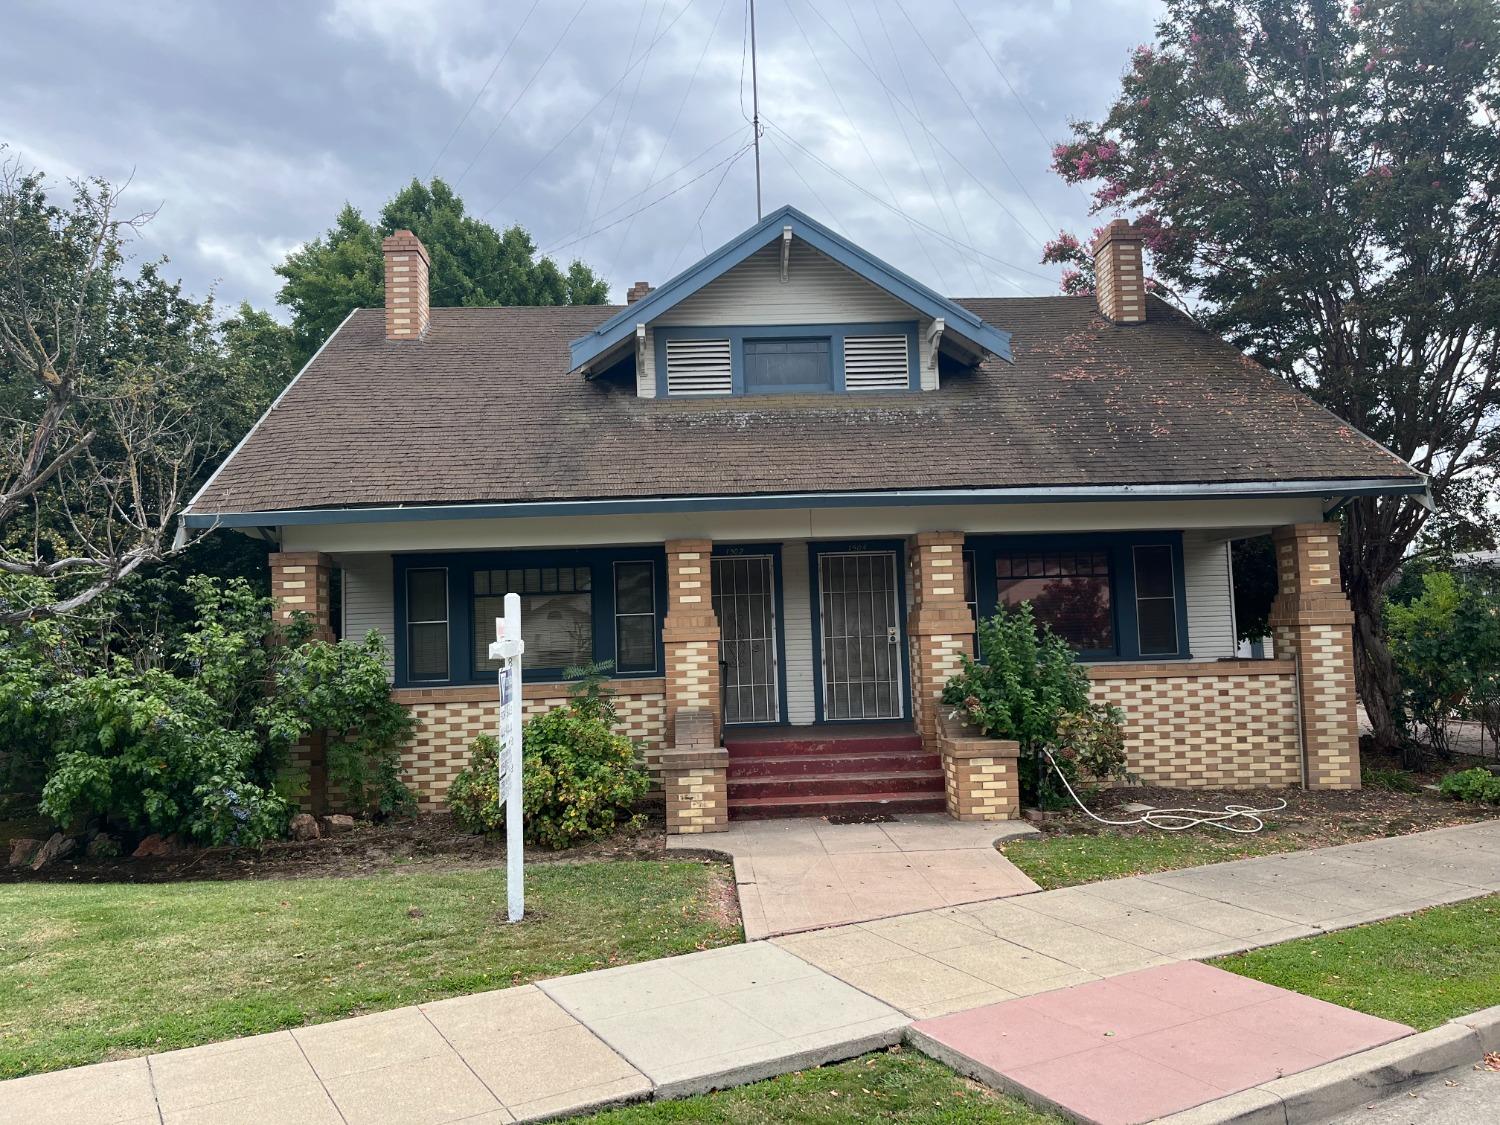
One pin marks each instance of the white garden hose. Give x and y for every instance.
(1175, 820)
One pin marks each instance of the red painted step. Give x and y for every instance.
(839, 785)
(797, 765)
(783, 747)
(858, 804)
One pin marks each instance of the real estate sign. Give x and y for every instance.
(507, 649)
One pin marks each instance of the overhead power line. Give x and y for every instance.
(493, 71)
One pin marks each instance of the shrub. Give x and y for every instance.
(1476, 784)
(579, 779)
(1031, 688)
(1392, 781)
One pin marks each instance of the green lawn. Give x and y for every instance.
(896, 1085)
(97, 972)
(1063, 861)
(1420, 970)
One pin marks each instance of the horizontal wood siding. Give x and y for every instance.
(1210, 598)
(797, 625)
(369, 601)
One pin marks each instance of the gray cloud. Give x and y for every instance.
(249, 125)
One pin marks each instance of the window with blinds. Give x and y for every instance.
(699, 367)
(876, 363)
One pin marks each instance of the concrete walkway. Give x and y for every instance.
(807, 874)
(746, 1012)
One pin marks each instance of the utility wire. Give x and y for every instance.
(585, 116)
(870, 156)
(589, 206)
(1046, 222)
(494, 71)
(892, 207)
(823, 208)
(517, 100)
(953, 156)
(672, 129)
(698, 226)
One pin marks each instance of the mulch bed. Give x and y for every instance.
(430, 843)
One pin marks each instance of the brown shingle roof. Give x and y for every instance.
(483, 410)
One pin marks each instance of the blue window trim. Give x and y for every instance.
(737, 334)
(734, 550)
(1120, 547)
(461, 566)
(815, 597)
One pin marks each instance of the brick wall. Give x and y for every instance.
(940, 627)
(690, 632)
(449, 719)
(1228, 724)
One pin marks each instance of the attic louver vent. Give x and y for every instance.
(699, 367)
(876, 363)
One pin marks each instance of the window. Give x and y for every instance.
(788, 365)
(557, 614)
(635, 617)
(1156, 601)
(1068, 590)
(427, 624)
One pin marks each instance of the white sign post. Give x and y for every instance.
(507, 649)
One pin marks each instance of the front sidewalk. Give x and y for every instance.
(746, 1012)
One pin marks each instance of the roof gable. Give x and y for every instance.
(956, 318)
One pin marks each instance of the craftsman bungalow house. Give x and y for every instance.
(776, 491)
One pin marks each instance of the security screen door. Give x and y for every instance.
(861, 628)
(745, 602)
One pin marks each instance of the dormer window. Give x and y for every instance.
(693, 361)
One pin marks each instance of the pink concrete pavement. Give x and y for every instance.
(1132, 1048)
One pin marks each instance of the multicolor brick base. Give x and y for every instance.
(1224, 724)
(449, 719)
(981, 776)
(694, 776)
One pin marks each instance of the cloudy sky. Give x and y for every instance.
(615, 131)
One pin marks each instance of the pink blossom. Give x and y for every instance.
(1195, 39)
(1144, 103)
(1369, 66)
(1355, 11)
(1107, 150)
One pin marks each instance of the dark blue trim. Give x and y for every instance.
(956, 318)
(815, 600)
(732, 550)
(737, 334)
(1120, 546)
(797, 501)
(461, 566)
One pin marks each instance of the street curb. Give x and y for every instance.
(1324, 1091)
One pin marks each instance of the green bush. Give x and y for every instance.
(579, 780)
(1392, 781)
(1031, 688)
(1476, 784)
(1446, 645)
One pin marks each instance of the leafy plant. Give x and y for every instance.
(579, 780)
(1031, 688)
(1476, 784)
(1392, 781)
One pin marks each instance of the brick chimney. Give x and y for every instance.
(1120, 273)
(637, 291)
(406, 270)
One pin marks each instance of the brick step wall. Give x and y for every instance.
(831, 773)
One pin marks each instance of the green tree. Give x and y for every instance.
(1320, 184)
(473, 264)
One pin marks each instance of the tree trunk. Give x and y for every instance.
(1374, 543)
(1374, 669)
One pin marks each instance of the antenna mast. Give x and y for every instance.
(755, 110)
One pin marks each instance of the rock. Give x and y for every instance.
(56, 847)
(304, 826)
(22, 851)
(152, 845)
(103, 846)
(337, 824)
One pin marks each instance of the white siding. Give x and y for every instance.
(369, 602)
(645, 369)
(1210, 597)
(796, 623)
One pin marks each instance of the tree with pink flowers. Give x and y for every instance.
(1320, 183)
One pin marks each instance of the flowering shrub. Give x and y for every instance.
(1030, 688)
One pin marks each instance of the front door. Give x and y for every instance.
(744, 595)
(861, 626)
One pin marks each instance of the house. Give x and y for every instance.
(776, 491)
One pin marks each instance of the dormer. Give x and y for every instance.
(788, 307)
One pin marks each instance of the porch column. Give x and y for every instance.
(690, 634)
(940, 628)
(1312, 624)
(300, 583)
